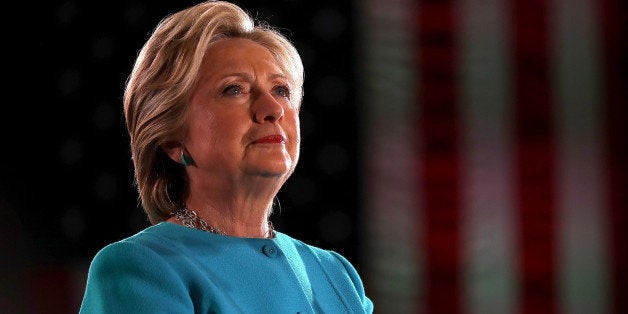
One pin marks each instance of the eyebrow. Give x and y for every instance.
(249, 77)
(274, 76)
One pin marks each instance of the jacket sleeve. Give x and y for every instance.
(367, 303)
(126, 277)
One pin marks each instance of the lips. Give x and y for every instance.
(271, 139)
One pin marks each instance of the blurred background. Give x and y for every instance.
(467, 156)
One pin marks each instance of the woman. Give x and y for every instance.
(212, 110)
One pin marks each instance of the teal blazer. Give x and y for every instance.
(169, 268)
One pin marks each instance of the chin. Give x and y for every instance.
(278, 170)
(270, 166)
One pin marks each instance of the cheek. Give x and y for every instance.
(206, 132)
(293, 127)
(202, 128)
(294, 133)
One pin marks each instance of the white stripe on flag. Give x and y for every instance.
(488, 220)
(583, 241)
(390, 199)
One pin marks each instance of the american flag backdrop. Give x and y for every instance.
(494, 150)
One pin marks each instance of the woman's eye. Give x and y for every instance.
(232, 90)
(283, 91)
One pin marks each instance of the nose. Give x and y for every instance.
(267, 108)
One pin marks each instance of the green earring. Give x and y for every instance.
(185, 159)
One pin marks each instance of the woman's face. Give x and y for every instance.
(242, 119)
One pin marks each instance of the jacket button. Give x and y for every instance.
(269, 250)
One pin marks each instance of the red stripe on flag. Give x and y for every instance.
(535, 156)
(615, 61)
(440, 157)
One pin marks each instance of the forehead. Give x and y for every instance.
(231, 54)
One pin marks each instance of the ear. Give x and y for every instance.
(173, 150)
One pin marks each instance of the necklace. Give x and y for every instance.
(189, 218)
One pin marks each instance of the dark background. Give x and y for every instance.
(66, 178)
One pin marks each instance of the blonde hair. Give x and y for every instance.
(159, 87)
